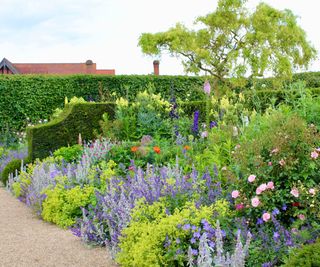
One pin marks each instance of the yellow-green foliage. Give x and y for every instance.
(142, 243)
(62, 206)
(24, 180)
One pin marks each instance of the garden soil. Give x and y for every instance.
(25, 240)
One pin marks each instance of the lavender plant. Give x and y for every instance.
(123, 192)
(44, 174)
(208, 257)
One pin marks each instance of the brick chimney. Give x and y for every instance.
(156, 67)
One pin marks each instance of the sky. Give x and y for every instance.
(107, 31)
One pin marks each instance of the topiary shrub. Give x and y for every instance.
(306, 256)
(81, 118)
(12, 167)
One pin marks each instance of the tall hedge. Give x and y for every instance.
(76, 118)
(36, 96)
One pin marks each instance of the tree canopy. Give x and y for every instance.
(233, 42)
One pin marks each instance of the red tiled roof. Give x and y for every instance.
(59, 68)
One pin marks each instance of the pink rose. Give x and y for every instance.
(263, 187)
(314, 155)
(235, 193)
(258, 191)
(270, 185)
(312, 191)
(282, 162)
(270, 163)
(266, 216)
(251, 178)
(294, 192)
(301, 217)
(255, 202)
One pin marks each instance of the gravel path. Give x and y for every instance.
(28, 241)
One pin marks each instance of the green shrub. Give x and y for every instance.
(69, 154)
(12, 167)
(147, 115)
(76, 119)
(62, 206)
(306, 256)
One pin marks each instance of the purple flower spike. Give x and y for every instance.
(195, 127)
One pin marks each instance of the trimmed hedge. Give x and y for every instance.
(36, 96)
(76, 118)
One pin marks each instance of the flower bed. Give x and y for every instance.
(159, 188)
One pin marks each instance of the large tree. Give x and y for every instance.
(232, 42)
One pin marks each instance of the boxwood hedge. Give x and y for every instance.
(81, 118)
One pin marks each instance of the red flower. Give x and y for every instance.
(239, 206)
(157, 149)
(134, 149)
(296, 204)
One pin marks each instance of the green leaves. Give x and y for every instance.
(232, 42)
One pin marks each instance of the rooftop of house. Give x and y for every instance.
(7, 67)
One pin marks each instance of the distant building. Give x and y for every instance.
(6, 67)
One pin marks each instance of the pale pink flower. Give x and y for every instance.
(258, 191)
(318, 149)
(270, 163)
(255, 202)
(207, 87)
(270, 185)
(301, 217)
(204, 134)
(312, 191)
(282, 162)
(266, 216)
(251, 178)
(263, 187)
(294, 192)
(275, 151)
(314, 155)
(235, 193)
